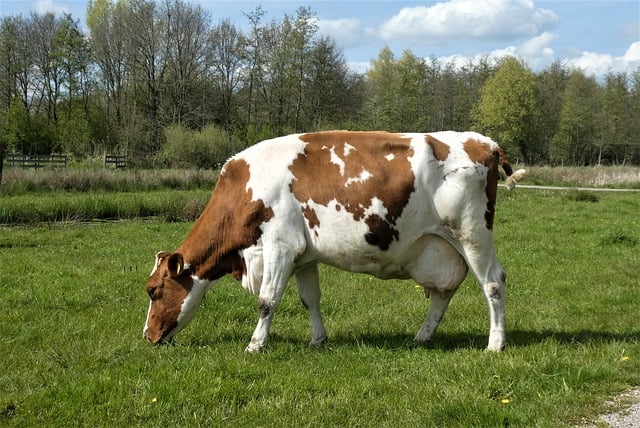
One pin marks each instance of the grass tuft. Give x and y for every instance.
(582, 196)
(619, 237)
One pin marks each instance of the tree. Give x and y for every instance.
(146, 32)
(187, 36)
(381, 97)
(409, 86)
(634, 128)
(9, 59)
(507, 108)
(551, 83)
(72, 52)
(255, 55)
(328, 91)
(109, 46)
(304, 31)
(580, 118)
(227, 64)
(615, 138)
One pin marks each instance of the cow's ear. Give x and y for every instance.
(175, 264)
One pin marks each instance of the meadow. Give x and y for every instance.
(73, 307)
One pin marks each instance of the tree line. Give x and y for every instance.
(164, 84)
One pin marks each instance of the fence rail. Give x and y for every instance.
(118, 161)
(36, 161)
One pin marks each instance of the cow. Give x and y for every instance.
(412, 206)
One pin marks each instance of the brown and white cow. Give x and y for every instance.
(417, 206)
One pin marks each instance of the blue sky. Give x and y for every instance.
(597, 36)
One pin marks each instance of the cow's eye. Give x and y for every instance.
(151, 292)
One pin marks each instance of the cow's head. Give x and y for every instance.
(175, 295)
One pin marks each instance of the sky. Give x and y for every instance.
(597, 36)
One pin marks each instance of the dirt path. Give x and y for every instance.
(582, 189)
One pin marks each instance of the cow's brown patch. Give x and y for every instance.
(311, 216)
(482, 153)
(230, 222)
(440, 150)
(384, 156)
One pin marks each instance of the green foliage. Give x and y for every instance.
(579, 124)
(73, 354)
(507, 107)
(25, 133)
(208, 148)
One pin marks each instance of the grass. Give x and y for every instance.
(74, 305)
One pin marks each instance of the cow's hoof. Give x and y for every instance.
(318, 343)
(497, 348)
(253, 348)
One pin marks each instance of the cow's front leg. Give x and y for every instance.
(278, 267)
(261, 333)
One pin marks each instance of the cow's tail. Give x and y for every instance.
(512, 177)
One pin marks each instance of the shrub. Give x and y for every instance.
(208, 148)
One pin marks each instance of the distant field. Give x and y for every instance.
(73, 307)
(55, 195)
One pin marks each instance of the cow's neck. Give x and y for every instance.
(209, 250)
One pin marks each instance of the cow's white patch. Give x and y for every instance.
(335, 159)
(254, 262)
(347, 149)
(155, 266)
(377, 207)
(146, 323)
(364, 176)
(390, 157)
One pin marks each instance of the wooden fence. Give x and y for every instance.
(36, 161)
(57, 161)
(118, 161)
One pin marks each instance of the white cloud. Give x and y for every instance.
(463, 19)
(600, 64)
(44, 6)
(536, 52)
(346, 32)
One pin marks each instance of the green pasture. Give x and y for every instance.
(72, 308)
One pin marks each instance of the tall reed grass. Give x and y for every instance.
(169, 205)
(595, 176)
(18, 181)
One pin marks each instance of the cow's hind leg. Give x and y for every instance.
(439, 304)
(278, 267)
(309, 290)
(483, 262)
(440, 270)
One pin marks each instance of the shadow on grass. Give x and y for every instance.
(443, 341)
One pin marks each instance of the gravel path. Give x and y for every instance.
(629, 417)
